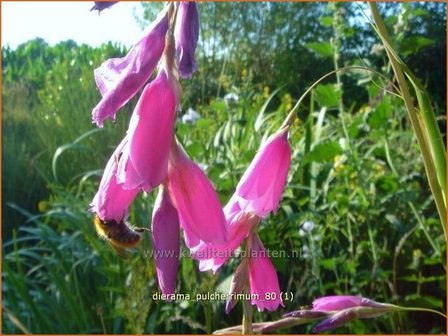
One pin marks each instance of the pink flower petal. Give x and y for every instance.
(263, 279)
(119, 79)
(166, 241)
(262, 184)
(341, 302)
(195, 199)
(151, 131)
(212, 257)
(111, 202)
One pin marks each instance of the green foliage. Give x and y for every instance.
(357, 216)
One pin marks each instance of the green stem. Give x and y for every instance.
(337, 23)
(247, 305)
(428, 143)
(418, 309)
(292, 115)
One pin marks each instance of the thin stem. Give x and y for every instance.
(292, 116)
(247, 305)
(418, 309)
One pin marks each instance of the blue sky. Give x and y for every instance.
(57, 21)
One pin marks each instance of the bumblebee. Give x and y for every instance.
(119, 234)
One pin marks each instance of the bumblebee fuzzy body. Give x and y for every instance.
(118, 234)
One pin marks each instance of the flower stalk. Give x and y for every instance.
(423, 123)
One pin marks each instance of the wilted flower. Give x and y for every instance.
(261, 186)
(102, 5)
(186, 35)
(119, 79)
(196, 201)
(239, 281)
(166, 241)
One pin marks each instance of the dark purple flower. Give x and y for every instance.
(102, 5)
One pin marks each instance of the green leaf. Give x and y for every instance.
(379, 117)
(326, 21)
(323, 152)
(412, 44)
(327, 95)
(322, 49)
(218, 105)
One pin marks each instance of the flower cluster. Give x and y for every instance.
(149, 155)
(257, 194)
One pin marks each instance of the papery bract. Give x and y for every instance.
(262, 184)
(166, 241)
(239, 281)
(119, 79)
(111, 202)
(263, 280)
(150, 133)
(195, 199)
(186, 35)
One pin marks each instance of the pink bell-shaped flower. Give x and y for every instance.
(195, 199)
(119, 79)
(261, 186)
(263, 281)
(112, 201)
(150, 133)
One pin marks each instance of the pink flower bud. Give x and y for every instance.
(340, 302)
(186, 35)
(166, 241)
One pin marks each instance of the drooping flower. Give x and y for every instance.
(112, 201)
(166, 241)
(261, 186)
(102, 5)
(263, 280)
(186, 35)
(119, 79)
(196, 201)
(150, 133)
